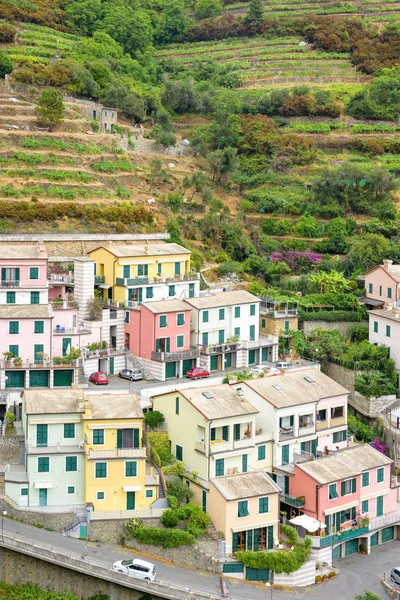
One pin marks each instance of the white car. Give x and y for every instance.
(255, 371)
(282, 365)
(141, 569)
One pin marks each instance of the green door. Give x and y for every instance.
(214, 363)
(38, 351)
(186, 365)
(285, 455)
(111, 365)
(204, 500)
(15, 379)
(337, 553)
(42, 497)
(66, 345)
(130, 500)
(191, 290)
(351, 547)
(264, 354)
(170, 370)
(257, 574)
(287, 484)
(314, 447)
(252, 357)
(379, 506)
(374, 540)
(63, 377)
(232, 568)
(38, 379)
(83, 531)
(228, 360)
(387, 534)
(140, 294)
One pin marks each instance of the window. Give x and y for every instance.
(219, 467)
(205, 316)
(149, 493)
(38, 327)
(177, 405)
(180, 319)
(171, 290)
(159, 269)
(221, 336)
(127, 438)
(287, 326)
(321, 415)
(35, 297)
(131, 469)
(127, 316)
(387, 330)
(263, 323)
(252, 333)
(44, 464)
(380, 290)
(263, 505)
(149, 292)
(221, 314)
(370, 288)
(179, 452)
(237, 312)
(236, 431)
(337, 412)
(13, 349)
(376, 327)
(236, 332)
(177, 268)
(24, 491)
(126, 272)
(41, 436)
(389, 292)
(191, 290)
(364, 506)
(261, 452)
(69, 430)
(332, 492)
(13, 327)
(71, 489)
(100, 495)
(100, 470)
(380, 475)
(180, 341)
(339, 436)
(244, 463)
(252, 310)
(71, 463)
(10, 298)
(365, 479)
(163, 321)
(142, 270)
(243, 508)
(33, 273)
(348, 487)
(205, 338)
(9, 275)
(98, 437)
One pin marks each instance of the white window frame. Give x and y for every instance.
(137, 469)
(104, 438)
(100, 492)
(73, 493)
(94, 469)
(176, 342)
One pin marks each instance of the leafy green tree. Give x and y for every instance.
(50, 108)
(330, 282)
(164, 137)
(84, 14)
(307, 226)
(120, 96)
(208, 8)
(6, 66)
(178, 488)
(154, 419)
(255, 14)
(223, 163)
(173, 23)
(367, 250)
(131, 28)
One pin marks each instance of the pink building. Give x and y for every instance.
(382, 285)
(158, 333)
(352, 494)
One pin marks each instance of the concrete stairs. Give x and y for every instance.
(2, 484)
(132, 362)
(161, 491)
(81, 375)
(73, 528)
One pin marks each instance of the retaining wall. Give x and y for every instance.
(10, 452)
(45, 520)
(302, 577)
(343, 326)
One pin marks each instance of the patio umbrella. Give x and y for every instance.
(308, 523)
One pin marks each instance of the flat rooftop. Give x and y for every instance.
(245, 485)
(222, 401)
(133, 250)
(233, 298)
(11, 252)
(118, 406)
(40, 402)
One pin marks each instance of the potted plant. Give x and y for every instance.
(17, 361)
(57, 302)
(7, 357)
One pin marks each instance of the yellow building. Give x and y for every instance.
(117, 476)
(139, 272)
(245, 507)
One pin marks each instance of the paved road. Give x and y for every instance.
(358, 572)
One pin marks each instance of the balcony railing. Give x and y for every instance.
(225, 446)
(55, 278)
(286, 433)
(290, 312)
(334, 538)
(338, 421)
(132, 281)
(45, 364)
(63, 304)
(10, 283)
(384, 520)
(118, 453)
(17, 283)
(171, 356)
(322, 425)
(296, 502)
(261, 342)
(219, 348)
(200, 447)
(306, 429)
(98, 279)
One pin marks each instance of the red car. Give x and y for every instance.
(99, 378)
(197, 373)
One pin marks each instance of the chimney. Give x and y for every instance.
(240, 395)
(146, 250)
(387, 264)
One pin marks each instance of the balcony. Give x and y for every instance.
(118, 453)
(219, 348)
(131, 281)
(10, 283)
(98, 279)
(172, 356)
(45, 364)
(322, 425)
(56, 279)
(17, 283)
(59, 304)
(262, 341)
(287, 433)
(338, 421)
(225, 446)
(200, 447)
(384, 520)
(289, 312)
(296, 502)
(334, 538)
(306, 428)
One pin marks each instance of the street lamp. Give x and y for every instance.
(3, 514)
(268, 585)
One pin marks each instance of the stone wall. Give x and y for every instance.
(201, 556)
(346, 377)
(343, 326)
(47, 520)
(302, 577)
(20, 568)
(10, 449)
(113, 530)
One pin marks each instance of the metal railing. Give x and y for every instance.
(333, 538)
(297, 502)
(384, 520)
(118, 453)
(180, 355)
(218, 348)
(98, 279)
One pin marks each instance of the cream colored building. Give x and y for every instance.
(213, 431)
(245, 507)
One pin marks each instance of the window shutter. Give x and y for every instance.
(303, 446)
(235, 542)
(314, 447)
(270, 538)
(3, 274)
(256, 539)
(212, 433)
(250, 539)
(344, 435)
(343, 489)
(136, 438)
(353, 485)
(168, 344)
(291, 422)
(225, 433)
(17, 274)
(335, 437)
(119, 438)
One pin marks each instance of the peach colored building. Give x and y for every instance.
(382, 284)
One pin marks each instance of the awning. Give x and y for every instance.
(308, 523)
(252, 526)
(103, 286)
(43, 485)
(331, 511)
(145, 403)
(370, 301)
(132, 488)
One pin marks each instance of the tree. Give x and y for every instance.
(173, 23)
(178, 488)
(95, 309)
(85, 15)
(154, 419)
(255, 14)
(164, 137)
(6, 66)
(367, 250)
(120, 96)
(330, 282)
(208, 8)
(50, 108)
(223, 163)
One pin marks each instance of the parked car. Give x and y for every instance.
(132, 375)
(282, 365)
(197, 373)
(136, 568)
(99, 378)
(395, 575)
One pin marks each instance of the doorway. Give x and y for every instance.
(42, 497)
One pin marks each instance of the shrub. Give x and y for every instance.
(179, 489)
(7, 33)
(154, 419)
(318, 578)
(170, 518)
(172, 502)
(331, 316)
(199, 519)
(6, 65)
(166, 538)
(279, 561)
(160, 448)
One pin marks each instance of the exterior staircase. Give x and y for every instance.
(73, 528)
(2, 484)
(132, 362)
(81, 374)
(161, 490)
